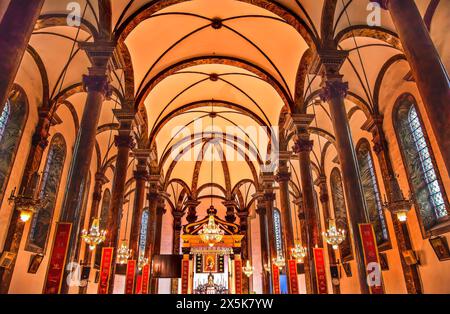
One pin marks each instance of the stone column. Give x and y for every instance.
(176, 242)
(16, 227)
(283, 177)
(430, 74)
(140, 176)
(100, 180)
(124, 143)
(395, 197)
(160, 211)
(98, 89)
(334, 92)
(16, 28)
(265, 255)
(325, 201)
(303, 147)
(230, 215)
(192, 210)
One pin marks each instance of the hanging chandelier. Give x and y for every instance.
(94, 236)
(334, 236)
(142, 261)
(248, 269)
(280, 262)
(29, 202)
(124, 253)
(211, 233)
(298, 253)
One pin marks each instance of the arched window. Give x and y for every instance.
(12, 121)
(106, 201)
(340, 213)
(4, 119)
(422, 173)
(372, 192)
(143, 232)
(277, 231)
(51, 177)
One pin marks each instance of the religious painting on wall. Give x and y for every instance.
(51, 178)
(440, 247)
(340, 213)
(209, 263)
(35, 262)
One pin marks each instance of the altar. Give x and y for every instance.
(213, 267)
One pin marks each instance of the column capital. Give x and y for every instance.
(97, 83)
(126, 141)
(101, 178)
(303, 145)
(261, 210)
(333, 89)
(140, 174)
(282, 176)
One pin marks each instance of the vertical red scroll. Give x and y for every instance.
(57, 262)
(371, 259)
(293, 278)
(321, 275)
(105, 270)
(130, 276)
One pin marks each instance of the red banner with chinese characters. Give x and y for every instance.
(321, 275)
(138, 289)
(105, 270)
(238, 276)
(276, 279)
(145, 278)
(293, 278)
(371, 258)
(57, 262)
(130, 275)
(184, 276)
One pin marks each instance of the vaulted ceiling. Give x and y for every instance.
(190, 65)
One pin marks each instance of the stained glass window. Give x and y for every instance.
(106, 201)
(42, 220)
(423, 154)
(277, 231)
(143, 233)
(423, 178)
(12, 121)
(4, 119)
(340, 212)
(372, 192)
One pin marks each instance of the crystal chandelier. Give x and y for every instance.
(248, 269)
(298, 253)
(142, 261)
(211, 233)
(94, 236)
(280, 262)
(334, 236)
(123, 253)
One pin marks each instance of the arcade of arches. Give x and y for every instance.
(267, 122)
